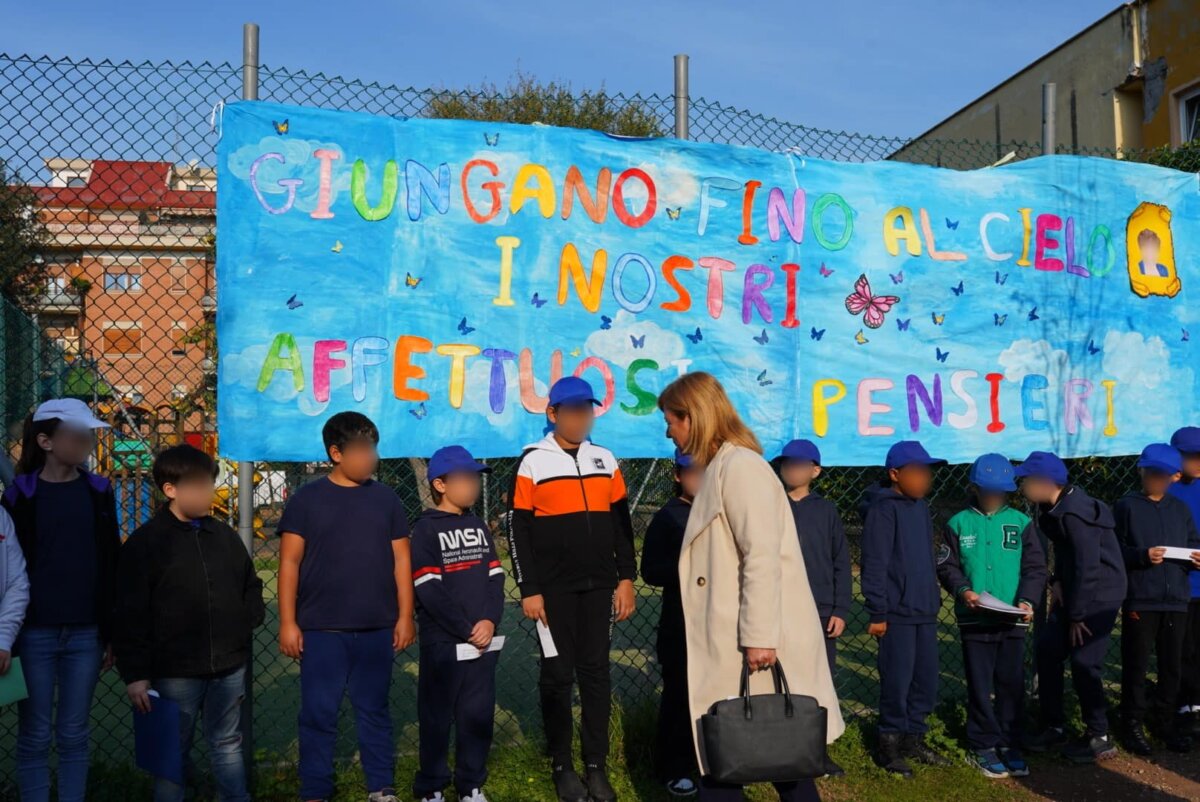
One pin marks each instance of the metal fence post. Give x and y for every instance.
(682, 102)
(245, 470)
(1049, 101)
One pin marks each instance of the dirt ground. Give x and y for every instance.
(1162, 777)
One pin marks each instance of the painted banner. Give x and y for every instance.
(439, 275)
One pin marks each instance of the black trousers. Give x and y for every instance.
(581, 626)
(830, 647)
(675, 753)
(462, 693)
(995, 668)
(1189, 686)
(1087, 664)
(713, 791)
(1143, 633)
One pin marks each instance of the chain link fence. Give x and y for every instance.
(113, 166)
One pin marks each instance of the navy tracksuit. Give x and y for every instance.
(1155, 617)
(1189, 688)
(826, 561)
(459, 582)
(900, 587)
(1089, 565)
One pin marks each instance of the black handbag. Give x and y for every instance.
(765, 738)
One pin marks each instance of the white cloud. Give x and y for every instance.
(1132, 359)
(299, 162)
(615, 344)
(1025, 357)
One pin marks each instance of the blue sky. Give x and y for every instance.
(890, 68)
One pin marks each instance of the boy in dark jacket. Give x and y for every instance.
(1087, 588)
(1187, 489)
(574, 560)
(991, 548)
(674, 753)
(1155, 613)
(188, 601)
(900, 588)
(459, 585)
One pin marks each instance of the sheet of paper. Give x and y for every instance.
(990, 603)
(1178, 553)
(468, 652)
(548, 647)
(12, 684)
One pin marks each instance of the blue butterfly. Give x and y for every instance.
(1092, 349)
(420, 412)
(1186, 336)
(999, 319)
(697, 337)
(537, 300)
(763, 381)
(281, 128)
(941, 355)
(1033, 315)
(463, 328)
(1001, 279)
(762, 339)
(951, 224)
(958, 290)
(605, 322)
(816, 333)
(902, 325)
(491, 140)
(897, 278)
(638, 342)
(292, 303)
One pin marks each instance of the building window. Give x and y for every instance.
(122, 339)
(122, 282)
(178, 346)
(1189, 117)
(76, 182)
(178, 279)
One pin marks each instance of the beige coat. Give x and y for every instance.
(743, 583)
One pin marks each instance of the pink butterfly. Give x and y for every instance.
(874, 306)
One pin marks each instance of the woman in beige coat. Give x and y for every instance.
(745, 592)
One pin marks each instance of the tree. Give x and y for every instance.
(23, 239)
(1186, 157)
(524, 100)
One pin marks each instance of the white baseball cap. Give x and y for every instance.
(71, 411)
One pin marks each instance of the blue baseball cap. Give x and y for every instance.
(1043, 465)
(572, 390)
(682, 460)
(910, 452)
(1161, 457)
(1187, 439)
(993, 473)
(805, 450)
(454, 459)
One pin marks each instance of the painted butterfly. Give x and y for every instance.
(825, 271)
(941, 355)
(872, 307)
(1001, 279)
(951, 224)
(411, 281)
(763, 381)
(673, 214)
(491, 140)
(902, 325)
(816, 333)
(697, 337)
(958, 290)
(999, 319)
(281, 128)
(292, 303)
(463, 328)
(897, 278)
(762, 339)
(938, 319)
(420, 412)
(861, 338)
(1033, 315)
(538, 301)
(638, 342)
(605, 322)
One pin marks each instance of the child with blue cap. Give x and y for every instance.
(675, 757)
(1154, 621)
(900, 589)
(991, 548)
(1086, 591)
(1187, 489)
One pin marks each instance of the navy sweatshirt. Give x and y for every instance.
(458, 578)
(899, 572)
(826, 555)
(1143, 524)
(1087, 557)
(660, 566)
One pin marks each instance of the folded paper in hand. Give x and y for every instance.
(1178, 553)
(468, 652)
(548, 648)
(990, 603)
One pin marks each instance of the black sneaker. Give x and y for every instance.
(568, 786)
(1047, 740)
(1134, 739)
(915, 748)
(833, 769)
(598, 785)
(889, 755)
(1090, 749)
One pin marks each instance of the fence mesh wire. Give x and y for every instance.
(114, 160)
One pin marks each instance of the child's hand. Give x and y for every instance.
(107, 662)
(139, 696)
(5, 662)
(291, 641)
(1196, 559)
(970, 598)
(534, 608)
(1028, 608)
(404, 634)
(624, 600)
(1079, 633)
(835, 628)
(877, 630)
(481, 634)
(1156, 554)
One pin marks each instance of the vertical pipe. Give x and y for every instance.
(682, 102)
(1049, 99)
(250, 61)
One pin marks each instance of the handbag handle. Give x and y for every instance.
(781, 687)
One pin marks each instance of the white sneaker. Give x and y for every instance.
(386, 795)
(476, 796)
(436, 796)
(681, 787)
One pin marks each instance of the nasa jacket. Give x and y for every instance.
(458, 578)
(570, 524)
(1143, 524)
(1087, 558)
(899, 573)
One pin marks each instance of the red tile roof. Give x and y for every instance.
(127, 185)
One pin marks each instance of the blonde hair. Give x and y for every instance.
(701, 399)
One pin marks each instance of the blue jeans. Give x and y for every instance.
(334, 664)
(67, 660)
(219, 701)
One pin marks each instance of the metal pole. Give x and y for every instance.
(681, 96)
(250, 61)
(1049, 104)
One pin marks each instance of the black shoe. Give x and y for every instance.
(1090, 749)
(915, 748)
(598, 785)
(1047, 740)
(568, 786)
(889, 755)
(1134, 739)
(833, 769)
